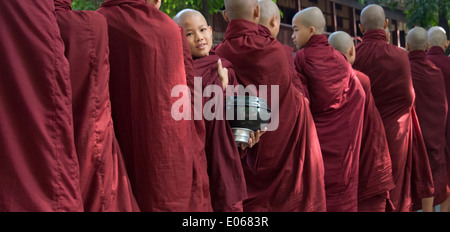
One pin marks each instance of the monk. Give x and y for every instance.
(167, 168)
(39, 167)
(337, 105)
(284, 171)
(389, 71)
(431, 108)
(438, 44)
(226, 176)
(375, 169)
(269, 24)
(104, 180)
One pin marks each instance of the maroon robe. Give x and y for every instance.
(431, 107)
(296, 77)
(284, 171)
(226, 176)
(337, 105)
(39, 168)
(104, 180)
(167, 169)
(375, 167)
(437, 56)
(388, 68)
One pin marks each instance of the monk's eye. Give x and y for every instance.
(203, 29)
(189, 34)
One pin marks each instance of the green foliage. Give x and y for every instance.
(86, 4)
(172, 7)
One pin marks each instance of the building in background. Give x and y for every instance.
(340, 15)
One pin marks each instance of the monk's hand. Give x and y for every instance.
(223, 74)
(254, 139)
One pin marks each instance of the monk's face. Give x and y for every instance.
(199, 35)
(301, 34)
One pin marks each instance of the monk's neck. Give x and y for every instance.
(436, 50)
(241, 27)
(417, 55)
(317, 40)
(375, 35)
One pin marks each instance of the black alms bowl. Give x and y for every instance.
(246, 114)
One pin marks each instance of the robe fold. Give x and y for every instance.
(166, 167)
(388, 68)
(296, 77)
(226, 176)
(284, 172)
(431, 107)
(375, 167)
(39, 167)
(437, 56)
(337, 105)
(103, 177)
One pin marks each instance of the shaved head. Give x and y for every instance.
(187, 13)
(270, 16)
(311, 17)
(341, 41)
(373, 17)
(437, 37)
(241, 9)
(269, 9)
(417, 39)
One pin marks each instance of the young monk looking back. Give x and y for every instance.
(227, 181)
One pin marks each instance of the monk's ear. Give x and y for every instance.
(386, 23)
(256, 13)
(448, 44)
(408, 48)
(428, 46)
(361, 28)
(273, 21)
(312, 30)
(352, 51)
(210, 30)
(225, 16)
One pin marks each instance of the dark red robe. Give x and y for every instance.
(296, 77)
(337, 105)
(431, 107)
(437, 56)
(375, 167)
(388, 68)
(167, 168)
(104, 180)
(39, 168)
(226, 176)
(284, 171)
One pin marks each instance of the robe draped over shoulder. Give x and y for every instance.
(432, 108)
(104, 180)
(284, 171)
(166, 167)
(337, 104)
(388, 68)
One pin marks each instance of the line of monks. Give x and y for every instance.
(86, 101)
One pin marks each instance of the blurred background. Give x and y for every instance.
(341, 15)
